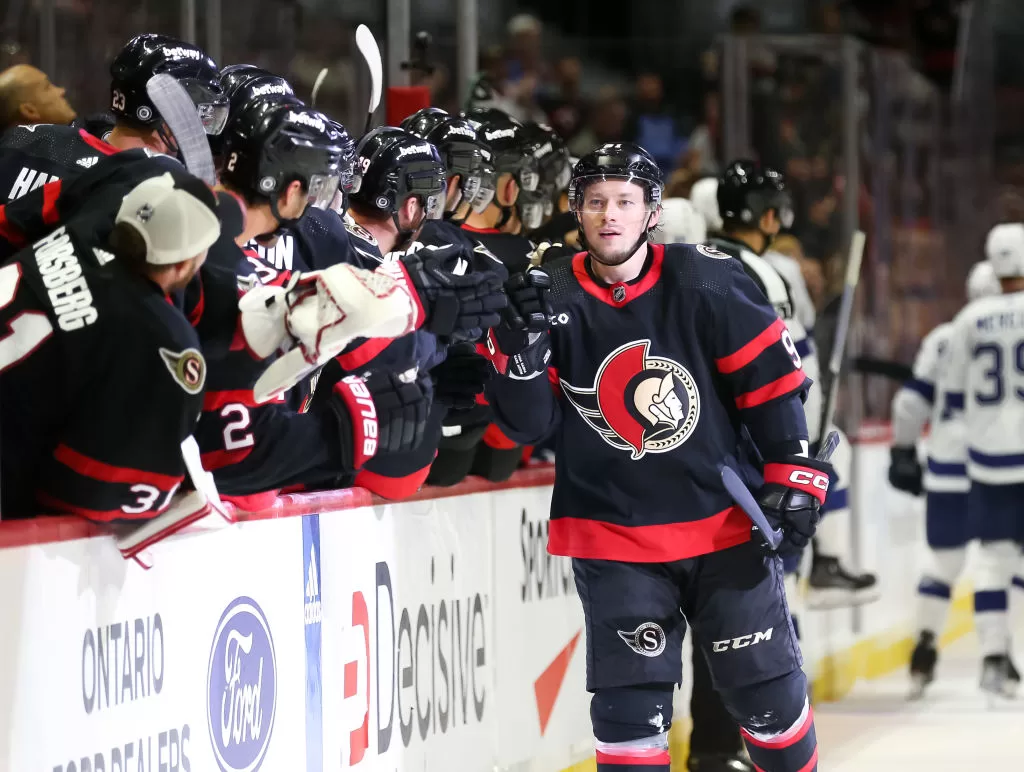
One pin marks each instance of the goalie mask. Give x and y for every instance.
(390, 166)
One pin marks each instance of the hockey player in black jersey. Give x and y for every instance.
(666, 363)
(101, 377)
(31, 156)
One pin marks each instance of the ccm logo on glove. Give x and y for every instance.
(803, 477)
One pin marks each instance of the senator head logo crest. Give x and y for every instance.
(639, 403)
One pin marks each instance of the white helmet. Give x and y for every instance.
(982, 281)
(704, 197)
(680, 223)
(1004, 249)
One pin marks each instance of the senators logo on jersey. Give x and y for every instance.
(639, 403)
(188, 368)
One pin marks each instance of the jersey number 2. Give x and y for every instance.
(234, 438)
(25, 332)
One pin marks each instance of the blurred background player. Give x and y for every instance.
(27, 97)
(984, 379)
(922, 401)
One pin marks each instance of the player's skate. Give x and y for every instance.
(717, 762)
(832, 586)
(999, 676)
(922, 664)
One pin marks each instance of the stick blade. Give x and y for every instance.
(367, 45)
(179, 113)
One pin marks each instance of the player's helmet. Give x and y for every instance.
(243, 85)
(269, 144)
(147, 55)
(1004, 249)
(391, 165)
(552, 156)
(505, 138)
(233, 75)
(704, 197)
(617, 161)
(746, 191)
(457, 143)
(982, 281)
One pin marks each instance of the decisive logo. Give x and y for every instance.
(639, 403)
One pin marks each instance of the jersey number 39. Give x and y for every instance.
(995, 376)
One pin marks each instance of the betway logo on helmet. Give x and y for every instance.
(270, 88)
(462, 131)
(307, 120)
(500, 133)
(182, 53)
(423, 149)
(543, 150)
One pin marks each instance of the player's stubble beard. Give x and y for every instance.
(619, 256)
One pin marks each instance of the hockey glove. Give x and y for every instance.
(383, 413)
(905, 470)
(793, 493)
(519, 347)
(460, 377)
(451, 304)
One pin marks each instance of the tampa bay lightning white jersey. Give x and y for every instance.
(984, 378)
(922, 399)
(800, 323)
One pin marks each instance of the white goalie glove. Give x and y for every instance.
(316, 316)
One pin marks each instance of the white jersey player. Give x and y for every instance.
(921, 400)
(984, 378)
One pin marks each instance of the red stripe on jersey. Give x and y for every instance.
(649, 758)
(392, 488)
(471, 229)
(496, 438)
(8, 232)
(96, 143)
(218, 459)
(619, 294)
(58, 507)
(196, 313)
(51, 192)
(790, 737)
(98, 470)
(748, 353)
(770, 391)
(578, 537)
(215, 400)
(358, 357)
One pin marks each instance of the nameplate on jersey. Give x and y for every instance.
(66, 287)
(27, 181)
(639, 403)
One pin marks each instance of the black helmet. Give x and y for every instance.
(553, 162)
(391, 165)
(747, 190)
(244, 86)
(147, 55)
(456, 141)
(617, 161)
(234, 74)
(270, 144)
(505, 138)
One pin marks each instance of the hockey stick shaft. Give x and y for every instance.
(835, 361)
(367, 45)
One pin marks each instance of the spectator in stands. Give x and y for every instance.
(525, 69)
(27, 96)
(652, 123)
(706, 140)
(605, 123)
(564, 103)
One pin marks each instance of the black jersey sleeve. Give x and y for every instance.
(756, 358)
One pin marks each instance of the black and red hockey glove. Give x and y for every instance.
(460, 377)
(456, 305)
(794, 490)
(519, 346)
(381, 413)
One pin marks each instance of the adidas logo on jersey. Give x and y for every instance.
(313, 608)
(89, 162)
(102, 256)
(423, 149)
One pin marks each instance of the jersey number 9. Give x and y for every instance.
(787, 341)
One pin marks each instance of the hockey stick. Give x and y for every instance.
(320, 78)
(179, 113)
(367, 45)
(835, 361)
(744, 499)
